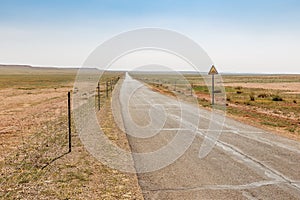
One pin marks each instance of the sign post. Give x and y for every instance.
(212, 72)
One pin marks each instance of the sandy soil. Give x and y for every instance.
(290, 87)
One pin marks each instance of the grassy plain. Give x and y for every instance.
(34, 163)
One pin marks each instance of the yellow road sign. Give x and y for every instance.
(212, 71)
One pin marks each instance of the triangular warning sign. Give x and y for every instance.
(212, 71)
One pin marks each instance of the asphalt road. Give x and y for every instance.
(245, 162)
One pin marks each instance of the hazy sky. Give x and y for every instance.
(239, 36)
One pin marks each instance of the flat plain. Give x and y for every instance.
(34, 158)
(33, 127)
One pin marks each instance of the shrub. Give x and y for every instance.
(239, 92)
(277, 98)
(247, 103)
(294, 101)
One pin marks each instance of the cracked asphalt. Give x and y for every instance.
(166, 136)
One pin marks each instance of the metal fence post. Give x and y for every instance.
(106, 88)
(69, 121)
(98, 95)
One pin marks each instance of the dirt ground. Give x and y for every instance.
(23, 112)
(289, 87)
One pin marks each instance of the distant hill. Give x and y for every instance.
(27, 69)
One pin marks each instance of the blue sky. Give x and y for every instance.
(239, 36)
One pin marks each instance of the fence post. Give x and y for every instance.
(106, 88)
(192, 89)
(98, 88)
(69, 120)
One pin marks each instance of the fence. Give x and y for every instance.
(109, 86)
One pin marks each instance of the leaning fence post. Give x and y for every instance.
(69, 120)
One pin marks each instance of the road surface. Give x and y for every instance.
(245, 163)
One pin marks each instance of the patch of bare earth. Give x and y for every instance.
(23, 112)
(293, 87)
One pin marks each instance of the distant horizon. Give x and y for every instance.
(124, 70)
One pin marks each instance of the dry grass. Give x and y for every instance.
(34, 161)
